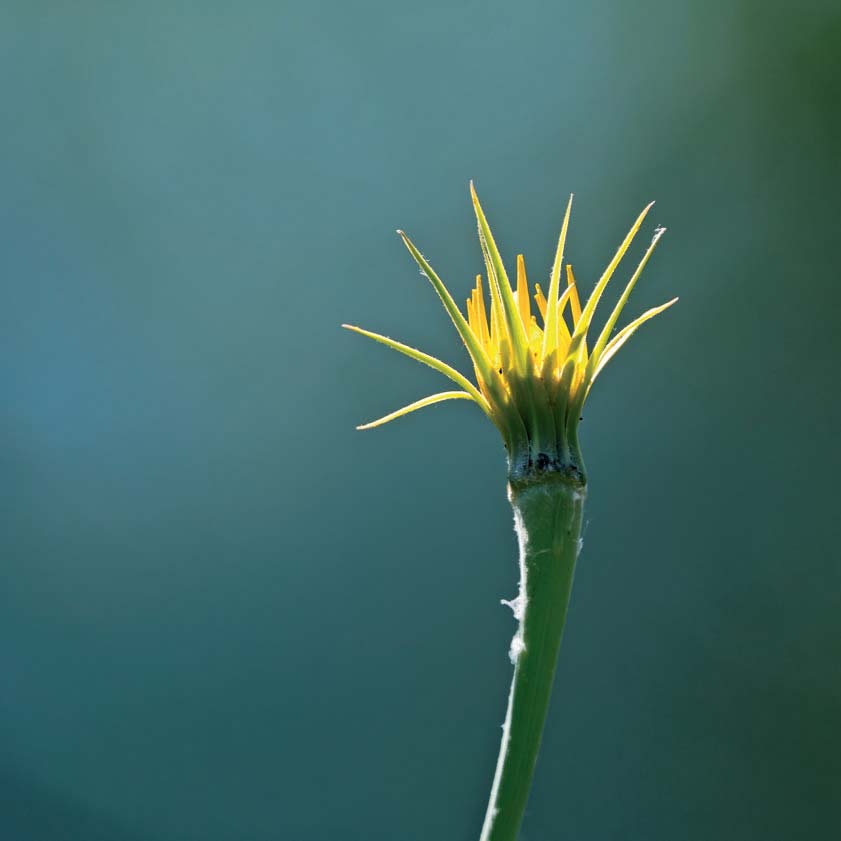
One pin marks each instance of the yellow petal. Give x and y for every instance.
(498, 278)
(540, 300)
(563, 330)
(574, 302)
(523, 292)
(482, 313)
(499, 328)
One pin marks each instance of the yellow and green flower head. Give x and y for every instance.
(533, 365)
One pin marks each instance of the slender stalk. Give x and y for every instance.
(532, 383)
(548, 509)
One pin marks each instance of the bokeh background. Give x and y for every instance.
(226, 615)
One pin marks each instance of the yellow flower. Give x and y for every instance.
(532, 377)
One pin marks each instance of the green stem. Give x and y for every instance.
(548, 509)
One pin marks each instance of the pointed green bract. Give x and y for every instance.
(418, 404)
(550, 335)
(590, 307)
(516, 329)
(568, 405)
(562, 302)
(476, 351)
(622, 336)
(426, 359)
(604, 336)
(510, 423)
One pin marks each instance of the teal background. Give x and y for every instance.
(226, 615)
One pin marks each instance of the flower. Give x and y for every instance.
(532, 378)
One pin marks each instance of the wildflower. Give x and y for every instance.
(531, 376)
(533, 372)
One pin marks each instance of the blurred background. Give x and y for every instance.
(226, 615)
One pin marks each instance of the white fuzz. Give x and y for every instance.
(493, 810)
(517, 647)
(516, 605)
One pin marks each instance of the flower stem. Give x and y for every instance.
(548, 509)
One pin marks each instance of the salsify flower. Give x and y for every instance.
(534, 367)
(532, 376)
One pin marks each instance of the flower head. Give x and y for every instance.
(532, 375)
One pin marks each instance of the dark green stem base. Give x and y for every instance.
(548, 510)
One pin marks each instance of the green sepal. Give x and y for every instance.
(550, 334)
(426, 359)
(418, 404)
(620, 338)
(604, 336)
(590, 307)
(508, 422)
